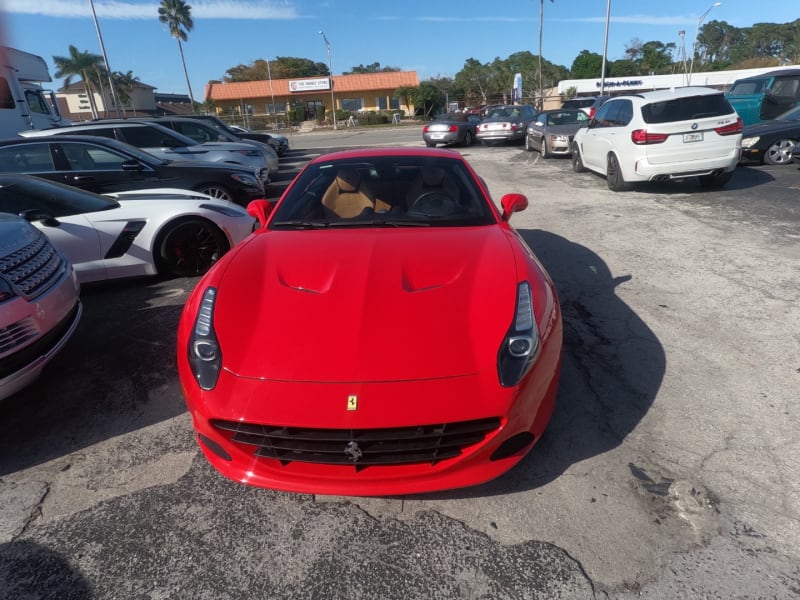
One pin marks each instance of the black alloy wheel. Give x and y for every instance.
(577, 162)
(189, 247)
(616, 182)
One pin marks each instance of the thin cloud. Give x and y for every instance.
(629, 19)
(113, 9)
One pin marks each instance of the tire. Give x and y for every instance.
(467, 139)
(189, 247)
(217, 191)
(528, 146)
(780, 152)
(577, 162)
(544, 151)
(616, 182)
(715, 181)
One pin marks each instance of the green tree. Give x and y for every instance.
(427, 98)
(81, 64)
(177, 16)
(657, 57)
(373, 68)
(475, 79)
(587, 65)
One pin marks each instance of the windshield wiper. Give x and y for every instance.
(300, 224)
(379, 223)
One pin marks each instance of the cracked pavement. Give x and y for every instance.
(668, 470)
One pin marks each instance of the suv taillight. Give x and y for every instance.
(641, 137)
(731, 129)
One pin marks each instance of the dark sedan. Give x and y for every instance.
(772, 141)
(279, 142)
(103, 165)
(451, 128)
(552, 131)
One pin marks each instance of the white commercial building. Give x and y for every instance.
(641, 83)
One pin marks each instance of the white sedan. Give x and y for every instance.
(168, 232)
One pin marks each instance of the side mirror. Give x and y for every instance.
(512, 203)
(260, 209)
(33, 214)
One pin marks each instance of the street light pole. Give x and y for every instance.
(330, 78)
(605, 50)
(682, 35)
(269, 75)
(105, 60)
(694, 44)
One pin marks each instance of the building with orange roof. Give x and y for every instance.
(353, 93)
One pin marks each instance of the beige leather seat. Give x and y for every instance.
(344, 198)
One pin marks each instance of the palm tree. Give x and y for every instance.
(125, 84)
(177, 15)
(82, 64)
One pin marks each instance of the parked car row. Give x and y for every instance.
(501, 123)
(167, 140)
(103, 165)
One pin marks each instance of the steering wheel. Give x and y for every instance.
(434, 204)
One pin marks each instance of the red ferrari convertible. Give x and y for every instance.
(385, 331)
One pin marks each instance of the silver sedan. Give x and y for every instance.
(552, 131)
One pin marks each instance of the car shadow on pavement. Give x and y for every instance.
(613, 365)
(116, 374)
(744, 178)
(30, 570)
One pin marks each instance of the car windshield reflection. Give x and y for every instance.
(384, 192)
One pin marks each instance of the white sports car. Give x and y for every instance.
(167, 232)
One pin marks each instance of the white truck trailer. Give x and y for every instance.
(24, 104)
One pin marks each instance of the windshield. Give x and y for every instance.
(504, 112)
(747, 87)
(566, 117)
(21, 193)
(687, 108)
(387, 191)
(793, 114)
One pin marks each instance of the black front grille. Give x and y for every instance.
(360, 447)
(35, 268)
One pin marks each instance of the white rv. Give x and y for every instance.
(23, 103)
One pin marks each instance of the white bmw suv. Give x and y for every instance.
(661, 135)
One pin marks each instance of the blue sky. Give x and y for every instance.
(432, 38)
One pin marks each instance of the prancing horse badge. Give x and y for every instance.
(352, 402)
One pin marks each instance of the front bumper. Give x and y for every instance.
(523, 413)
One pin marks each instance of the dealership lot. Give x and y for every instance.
(668, 469)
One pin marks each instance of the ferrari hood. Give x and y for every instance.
(366, 305)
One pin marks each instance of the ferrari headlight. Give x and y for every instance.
(521, 343)
(750, 141)
(205, 355)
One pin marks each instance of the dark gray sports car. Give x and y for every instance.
(451, 128)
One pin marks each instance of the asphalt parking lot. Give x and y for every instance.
(668, 470)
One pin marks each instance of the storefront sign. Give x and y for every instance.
(309, 85)
(622, 83)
